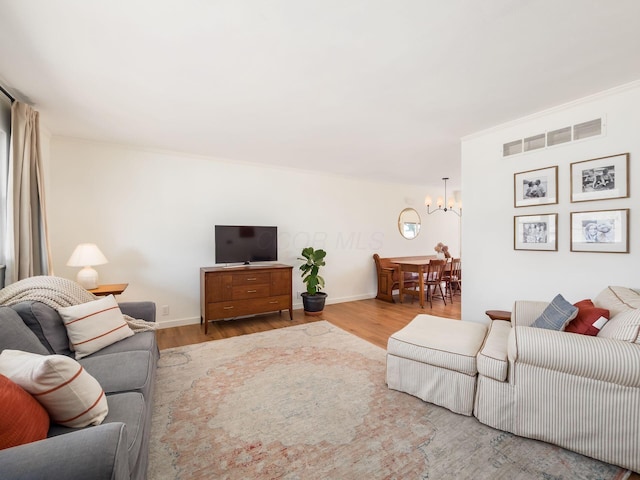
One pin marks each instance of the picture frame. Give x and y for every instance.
(600, 231)
(535, 187)
(535, 232)
(601, 178)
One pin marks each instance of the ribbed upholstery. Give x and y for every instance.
(446, 343)
(624, 326)
(492, 358)
(447, 388)
(434, 359)
(591, 417)
(617, 299)
(526, 312)
(576, 391)
(580, 355)
(495, 403)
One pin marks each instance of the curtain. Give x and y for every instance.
(28, 250)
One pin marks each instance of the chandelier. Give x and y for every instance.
(445, 207)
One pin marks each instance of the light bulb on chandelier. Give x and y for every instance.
(449, 206)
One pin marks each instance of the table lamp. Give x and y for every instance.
(85, 255)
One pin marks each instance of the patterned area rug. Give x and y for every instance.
(310, 402)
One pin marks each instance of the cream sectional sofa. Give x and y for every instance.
(577, 391)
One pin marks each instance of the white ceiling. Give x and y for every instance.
(380, 89)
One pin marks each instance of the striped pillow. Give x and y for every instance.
(624, 326)
(557, 314)
(70, 395)
(94, 325)
(618, 299)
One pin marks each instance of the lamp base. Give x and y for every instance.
(88, 278)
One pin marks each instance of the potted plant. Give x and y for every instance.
(313, 299)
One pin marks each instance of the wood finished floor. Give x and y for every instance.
(373, 320)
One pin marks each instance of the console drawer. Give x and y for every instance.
(218, 311)
(240, 292)
(249, 278)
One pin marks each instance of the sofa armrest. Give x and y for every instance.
(525, 312)
(141, 310)
(492, 357)
(603, 359)
(97, 453)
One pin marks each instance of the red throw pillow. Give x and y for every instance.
(589, 320)
(22, 418)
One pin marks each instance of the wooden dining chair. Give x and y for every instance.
(433, 280)
(453, 279)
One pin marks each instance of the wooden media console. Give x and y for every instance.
(228, 292)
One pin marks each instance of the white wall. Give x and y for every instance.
(495, 275)
(152, 214)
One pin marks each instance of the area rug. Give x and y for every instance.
(310, 402)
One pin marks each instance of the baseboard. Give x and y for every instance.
(179, 322)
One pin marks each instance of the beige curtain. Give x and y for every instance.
(28, 251)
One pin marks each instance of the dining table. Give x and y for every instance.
(413, 265)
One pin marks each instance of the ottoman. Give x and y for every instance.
(434, 358)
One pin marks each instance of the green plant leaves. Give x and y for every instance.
(314, 259)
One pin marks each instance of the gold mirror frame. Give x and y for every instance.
(409, 223)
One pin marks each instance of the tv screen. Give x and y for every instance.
(235, 243)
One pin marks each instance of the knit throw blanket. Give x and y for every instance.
(58, 292)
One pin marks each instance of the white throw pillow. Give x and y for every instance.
(68, 393)
(94, 325)
(618, 299)
(624, 326)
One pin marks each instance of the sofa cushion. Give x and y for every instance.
(618, 299)
(46, 324)
(92, 326)
(122, 372)
(128, 408)
(624, 326)
(15, 335)
(492, 358)
(590, 319)
(441, 342)
(557, 314)
(70, 395)
(145, 341)
(23, 419)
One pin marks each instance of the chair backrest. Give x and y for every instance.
(435, 270)
(456, 269)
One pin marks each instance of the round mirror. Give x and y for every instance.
(409, 223)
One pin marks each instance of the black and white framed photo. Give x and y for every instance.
(600, 178)
(535, 232)
(536, 187)
(600, 231)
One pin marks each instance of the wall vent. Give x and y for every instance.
(555, 137)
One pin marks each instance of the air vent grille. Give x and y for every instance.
(555, 137)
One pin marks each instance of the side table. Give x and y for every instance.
(109, 289)
(498, 315)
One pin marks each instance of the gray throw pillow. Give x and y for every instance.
(15, 335)
(557, 314)
(46, 324)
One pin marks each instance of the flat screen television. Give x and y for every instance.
(246, 243)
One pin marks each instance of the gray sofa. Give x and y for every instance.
(119, 447)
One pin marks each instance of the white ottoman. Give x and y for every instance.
(434, 358)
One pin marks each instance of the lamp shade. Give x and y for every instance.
(86, 255)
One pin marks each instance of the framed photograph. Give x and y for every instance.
(535, 187)
(600, 231)
(535, 232)
(600, 178)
